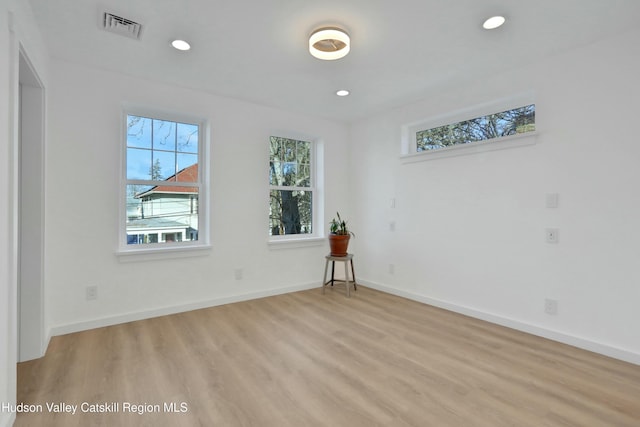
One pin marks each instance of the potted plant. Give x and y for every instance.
(339, 236)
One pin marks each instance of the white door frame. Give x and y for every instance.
(30, 199)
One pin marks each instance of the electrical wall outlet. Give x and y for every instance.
(392, 269)
(238, 273)
(551, 306)
(91, 292)
(551, 235)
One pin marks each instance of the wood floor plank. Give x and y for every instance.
(307, 359)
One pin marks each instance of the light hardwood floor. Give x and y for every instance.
(307, 359)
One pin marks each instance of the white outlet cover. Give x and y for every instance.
(91, 292)
(552, 200)
(551, 235)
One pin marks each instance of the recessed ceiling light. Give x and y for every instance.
(181, 45)
(329, 43)
(493, 22)
(343, 92)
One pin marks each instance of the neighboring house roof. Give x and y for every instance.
(153, 223)
(188, 174)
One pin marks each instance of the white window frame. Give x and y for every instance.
(166, 249)
(317, 186)
(408, 149)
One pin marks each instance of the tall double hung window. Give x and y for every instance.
(164, 183)
(291, 187)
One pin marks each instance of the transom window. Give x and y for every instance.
(164, 182)
(291, 187)
(510, 122)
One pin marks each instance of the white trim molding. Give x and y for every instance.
(117, 319)
(505, 142)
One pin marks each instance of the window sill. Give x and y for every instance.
(521, 140)
(291, 243)
(162, 253)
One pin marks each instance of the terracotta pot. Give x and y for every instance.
(339, 244)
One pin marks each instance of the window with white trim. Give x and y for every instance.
(292, 189)
(497, 125)
(164, 185)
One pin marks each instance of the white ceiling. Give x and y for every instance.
(256, 50)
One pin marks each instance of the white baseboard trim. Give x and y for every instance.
(164, 311)
(585, 344)
(7, 419)
(564, 338)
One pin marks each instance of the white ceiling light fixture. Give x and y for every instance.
(343, 92)
(329, 43)
(180, 45)
(493, 22)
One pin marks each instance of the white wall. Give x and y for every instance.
(470, 229)
(7, 313)
(83, 155)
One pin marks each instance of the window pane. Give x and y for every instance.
(290, 150)
(276, 148)
(138, 163)
(290, 162)
(290, 212)
(134, 207)
(275, 172)
(138, 132)
(304, 152)
(187, 138)
(164, 165)
(289, 172)
(187, 169)
(304, 176)
(155, 216)
(164, 135)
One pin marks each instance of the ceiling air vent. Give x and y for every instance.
(123, 26)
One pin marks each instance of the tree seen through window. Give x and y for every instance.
(290, 182)
(505, 123)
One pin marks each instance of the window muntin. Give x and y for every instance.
(291, 187)
(510, 122)
(164, 182)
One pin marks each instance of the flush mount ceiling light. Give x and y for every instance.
(343, 92)
(493, 22)
(181, 45)
(329, 43)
